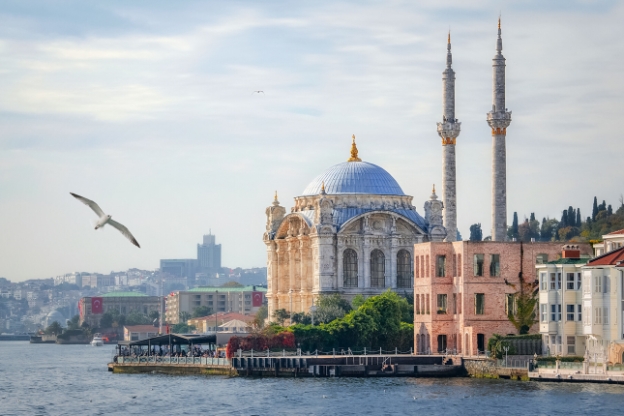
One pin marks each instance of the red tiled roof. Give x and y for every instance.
(617, 232)
(611, 258)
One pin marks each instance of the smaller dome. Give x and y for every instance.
(55, 316)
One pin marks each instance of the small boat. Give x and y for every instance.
(97, 341)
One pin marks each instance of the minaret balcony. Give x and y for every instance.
(448, 131)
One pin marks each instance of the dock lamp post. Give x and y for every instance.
(312, 310)
(290, 293)
(506, 348)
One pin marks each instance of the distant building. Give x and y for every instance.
(610, 242)
(220, 299)
(209, 255)
(179, 267)
(139, 332)
(464, 291)
(211, 322)
(123, 303)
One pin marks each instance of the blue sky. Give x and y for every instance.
(147, 108)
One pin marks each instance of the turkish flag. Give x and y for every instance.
(96, 305)
(257, 299)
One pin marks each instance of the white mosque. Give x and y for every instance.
(352, 231)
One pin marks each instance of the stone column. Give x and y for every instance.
(499, 119)
(448, 130)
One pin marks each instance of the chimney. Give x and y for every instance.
(571, 251)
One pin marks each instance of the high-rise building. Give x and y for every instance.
(448, 130)
(499, 119)
(209, 255)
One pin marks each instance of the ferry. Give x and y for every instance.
(97, 341)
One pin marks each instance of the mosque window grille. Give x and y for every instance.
(350, 268)
(378, 269)
(404, 269)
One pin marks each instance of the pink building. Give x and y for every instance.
(464, 290)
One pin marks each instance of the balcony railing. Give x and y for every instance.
(174, 360)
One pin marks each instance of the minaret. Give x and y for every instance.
(499, 119)
(448, 130)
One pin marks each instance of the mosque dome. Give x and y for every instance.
(55, 316)
(354, 177)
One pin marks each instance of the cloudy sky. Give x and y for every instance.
(147, 108)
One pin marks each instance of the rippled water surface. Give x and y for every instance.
(54, 379)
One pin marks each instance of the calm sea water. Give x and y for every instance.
(73, 380)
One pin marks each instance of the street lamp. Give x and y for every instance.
(312, 310)
(290, 292)
(506, 348)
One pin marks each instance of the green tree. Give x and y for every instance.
(182, 328)
(184, 316)
(136, 318)
(261, 315)
(201, 311)
(358, 300)
(107, 319)
(54, 329)
(280, 315)
(595, 209)
(73, 323)
(476, 234)
(301, 318)
(153, 315)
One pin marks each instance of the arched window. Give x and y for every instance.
(404, 269)
(350, 268)
(378, 269)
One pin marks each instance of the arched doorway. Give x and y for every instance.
(378, 269)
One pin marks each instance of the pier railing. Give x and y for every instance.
(174, 360)
(333, 352)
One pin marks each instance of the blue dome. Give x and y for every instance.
(355, 178)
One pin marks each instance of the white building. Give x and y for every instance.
(561, 303)
(603, 305)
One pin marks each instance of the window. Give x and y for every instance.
(578, 281)
(350, 268)
(427, 267)
(454, 303)
(441, 266)
(378, 269)
(597, 284)
(510, 304)
(459, 265)
(422, 266)
(555, 281)
(570, 281)
(495, 265)
(555, 312)
(428, 304)
(586, 316)
(579, 314)
(571, 344)
(478, 264)
(417, 304)
(441, 343)
(541, 258)
(543, 312)
(587, 282)
(441, 304)
(459, 306)
(417, 267)
(543, 281)
(479, 303)
(570, 312)
(454, 265)
(404, 269)
(598, 316)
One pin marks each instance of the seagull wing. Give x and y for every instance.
(124, 231)
(95, 207)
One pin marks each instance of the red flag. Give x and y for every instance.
(257, 299)
(96, 305)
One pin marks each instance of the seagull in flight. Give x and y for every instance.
(105, 219)
(257, 92)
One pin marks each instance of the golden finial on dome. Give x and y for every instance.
(275, 201)
(449, 36)
(354, 152)
(323, 186)
(433, 191)
(499, 22)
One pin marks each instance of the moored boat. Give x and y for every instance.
(97, 341)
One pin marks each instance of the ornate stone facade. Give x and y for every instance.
(351, 232)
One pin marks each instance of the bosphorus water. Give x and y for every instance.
(50, 379)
